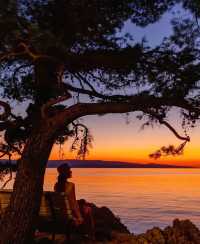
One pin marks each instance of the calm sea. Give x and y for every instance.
(142, 198)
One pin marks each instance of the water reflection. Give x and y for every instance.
(142, 198)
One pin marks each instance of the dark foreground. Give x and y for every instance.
(110, 230)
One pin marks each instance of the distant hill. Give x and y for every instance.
(102, 164)
(107, 164)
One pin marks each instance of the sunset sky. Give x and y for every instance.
(114, 139)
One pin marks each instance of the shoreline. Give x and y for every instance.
(104, 164)
(110, 230)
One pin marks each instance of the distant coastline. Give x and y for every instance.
(109, 164)
(102, 164)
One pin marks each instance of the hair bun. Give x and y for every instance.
(62, 168)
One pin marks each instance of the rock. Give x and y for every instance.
(105, 222)
(182, 232)
(110, 230)
(154, 235)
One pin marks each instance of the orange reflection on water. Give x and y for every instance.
(176, 182)
(142, 198)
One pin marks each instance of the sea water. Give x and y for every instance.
(141, 198)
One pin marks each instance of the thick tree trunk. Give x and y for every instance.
(18, 222)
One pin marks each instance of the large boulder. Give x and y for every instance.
(181, 232)
(105, 222)
(110, 230)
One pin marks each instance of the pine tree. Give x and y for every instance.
(55, 53)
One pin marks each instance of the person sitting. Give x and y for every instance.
(82, 216)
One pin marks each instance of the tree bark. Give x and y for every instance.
(18, 222)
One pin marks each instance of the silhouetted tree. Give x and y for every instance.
(70, 51)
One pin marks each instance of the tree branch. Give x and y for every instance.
(136, 103)
(51, 102)
(26, 52)
(33, 55)
(167, 124)
(170, 127)
(79, 76)
(94, 93)
(143, 97)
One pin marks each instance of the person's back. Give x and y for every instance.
(67, 188)
(63, 185)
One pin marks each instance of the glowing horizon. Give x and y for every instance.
(114, 140)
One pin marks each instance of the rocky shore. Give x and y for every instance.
(110, 230)
(181, 232)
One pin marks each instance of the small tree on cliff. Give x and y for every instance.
(69, 51)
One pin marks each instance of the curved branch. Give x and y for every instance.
(136, 103)
(80, 81)
(82, 109)
(140, 102)
(143, 98)
(86, 82)
(53, 101)
(25, 52)
(171, 128)
(168, 125)
(31, 54)
(94, 93)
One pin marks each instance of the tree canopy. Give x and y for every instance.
(65, 59)
(51, 51)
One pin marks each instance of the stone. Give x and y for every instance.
(110, 230)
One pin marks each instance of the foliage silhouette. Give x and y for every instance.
(66, 60)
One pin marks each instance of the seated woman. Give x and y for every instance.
(81, 219)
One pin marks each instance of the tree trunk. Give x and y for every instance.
(18, 222)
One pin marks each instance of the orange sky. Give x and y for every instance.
(116, 140)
